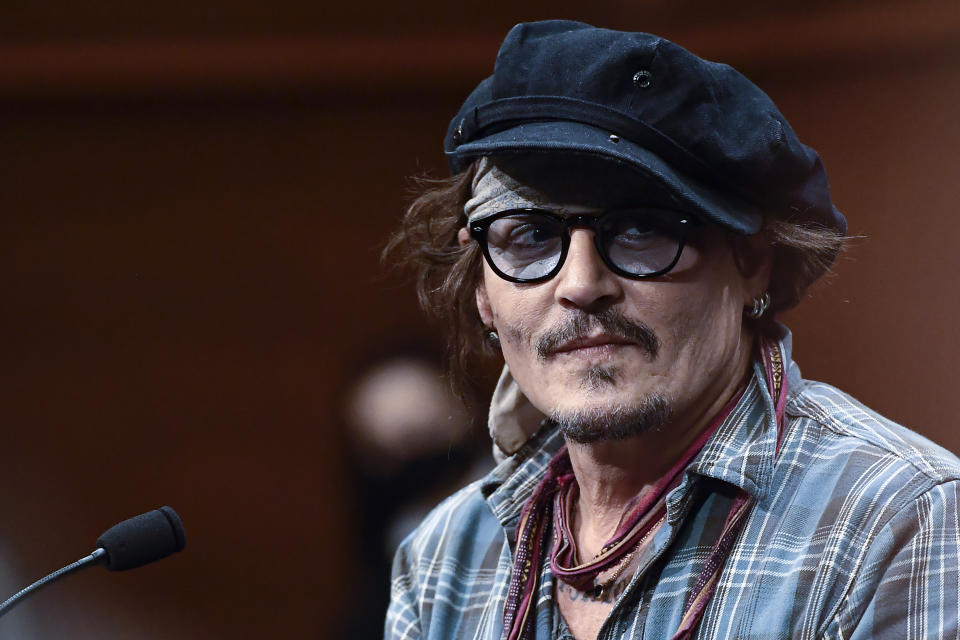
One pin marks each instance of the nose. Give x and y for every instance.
(584, 281)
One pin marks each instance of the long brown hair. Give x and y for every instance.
(447, 273)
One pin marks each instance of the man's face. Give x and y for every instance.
(610, 356)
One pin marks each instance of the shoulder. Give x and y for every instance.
(856, 499)
(860, 466)
(842, 426)
(448, 570)
(468, 531)
(462, 520)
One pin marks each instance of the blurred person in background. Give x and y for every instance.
(410, 442)
(623, 224)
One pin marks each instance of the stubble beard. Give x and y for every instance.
(613, 422)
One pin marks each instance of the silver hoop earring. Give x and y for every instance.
(760, 306)
(493, 338)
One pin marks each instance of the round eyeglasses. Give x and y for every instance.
(530, 245)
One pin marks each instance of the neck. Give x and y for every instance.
(612, 475)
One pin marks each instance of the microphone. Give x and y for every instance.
(127, 545)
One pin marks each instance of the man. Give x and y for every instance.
(623, 223)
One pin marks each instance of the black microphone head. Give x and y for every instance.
(143, 539)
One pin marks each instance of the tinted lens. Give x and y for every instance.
(525, 245)
(641, 242)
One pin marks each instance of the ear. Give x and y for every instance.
(754, 259)
(483, 306)
(483, 302)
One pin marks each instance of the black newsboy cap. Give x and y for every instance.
(698, 130)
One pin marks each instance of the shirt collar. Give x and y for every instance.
(743, 451)
(508, 486)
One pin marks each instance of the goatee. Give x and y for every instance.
(617, 422)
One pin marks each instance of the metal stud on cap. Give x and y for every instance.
(642, 78)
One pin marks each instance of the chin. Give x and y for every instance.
(612, 420)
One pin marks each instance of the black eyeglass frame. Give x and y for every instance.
(479, 229)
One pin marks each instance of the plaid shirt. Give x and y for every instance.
(855, 535)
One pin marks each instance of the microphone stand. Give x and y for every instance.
(97, 557)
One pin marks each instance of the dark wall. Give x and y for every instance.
(191, 227)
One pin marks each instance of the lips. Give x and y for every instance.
(592, 343)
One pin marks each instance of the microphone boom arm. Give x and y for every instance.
(97, 557)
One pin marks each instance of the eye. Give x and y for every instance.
(532, 233)
(524, 231)
(639, 226)
(633, 231)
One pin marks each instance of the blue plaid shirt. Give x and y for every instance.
(855, 535)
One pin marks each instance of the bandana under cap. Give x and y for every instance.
(495, 191)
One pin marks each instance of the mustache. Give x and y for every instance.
(612, 321)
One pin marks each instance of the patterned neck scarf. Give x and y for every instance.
(553, 495)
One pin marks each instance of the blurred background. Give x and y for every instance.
(193, 197)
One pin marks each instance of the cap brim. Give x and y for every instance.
(577, 138)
